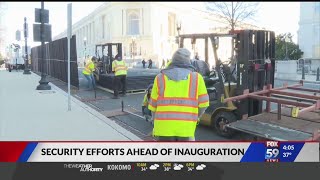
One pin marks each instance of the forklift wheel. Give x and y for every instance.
(221, 119)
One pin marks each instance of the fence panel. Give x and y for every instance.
(56, 60)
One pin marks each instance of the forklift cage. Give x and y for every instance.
(106, 63)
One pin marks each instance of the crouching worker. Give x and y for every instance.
(145, 111)
(88, 72)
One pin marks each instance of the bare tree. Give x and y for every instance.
(233, 12)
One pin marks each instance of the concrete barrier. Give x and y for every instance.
(286, 69)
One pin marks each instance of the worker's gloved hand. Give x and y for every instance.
(198, 121)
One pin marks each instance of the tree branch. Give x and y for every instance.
(245, 16)
(238, 5)
(248, 11)
(233, 13)
(240, 14)
(222, 8)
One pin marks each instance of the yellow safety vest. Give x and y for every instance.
(168, 63)
(145, 100)
(88, 69)
(176, 104)
(119, 67)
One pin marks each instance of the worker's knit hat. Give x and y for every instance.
(181, 56)
(94, 59)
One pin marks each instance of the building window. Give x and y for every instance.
(133, 23)
(133, 48)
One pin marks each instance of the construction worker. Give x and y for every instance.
(120, 75)
(145, 111)
(88, 72)
(168, 63)
(143, 64)
(178, 99)
(150, 64)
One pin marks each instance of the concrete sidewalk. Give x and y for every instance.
(297, 77)
(27, 114)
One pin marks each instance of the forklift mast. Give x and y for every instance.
(255, 54)
(254, 61)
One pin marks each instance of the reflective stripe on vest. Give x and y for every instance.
(193, 87)
(161, 84)
(203, 98)
(190, 101)
(153, 102)
(120, 69)
(184, 116)
(176, 116)
(177, 102)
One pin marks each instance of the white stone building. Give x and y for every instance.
(150, 26)
(3, 30)
(309, 29)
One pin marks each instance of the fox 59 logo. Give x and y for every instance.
(272, 151)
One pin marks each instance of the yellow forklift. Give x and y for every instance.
(248, 69)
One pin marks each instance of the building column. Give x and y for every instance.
(92, 34)
(124, 21)
(141, 22)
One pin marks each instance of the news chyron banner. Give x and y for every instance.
(269, 151)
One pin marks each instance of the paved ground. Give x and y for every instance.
(28, 114)
(112, 108)
(307, 84)
(308, 78)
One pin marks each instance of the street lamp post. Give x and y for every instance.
(303, 70)
(286, 37)
(133, 38)
(286, 41)
(26, 64)
(17, 47)
(44, 83)
(178, 29)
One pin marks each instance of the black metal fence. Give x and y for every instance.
(56, 60)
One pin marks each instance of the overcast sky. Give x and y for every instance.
(280, 17)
